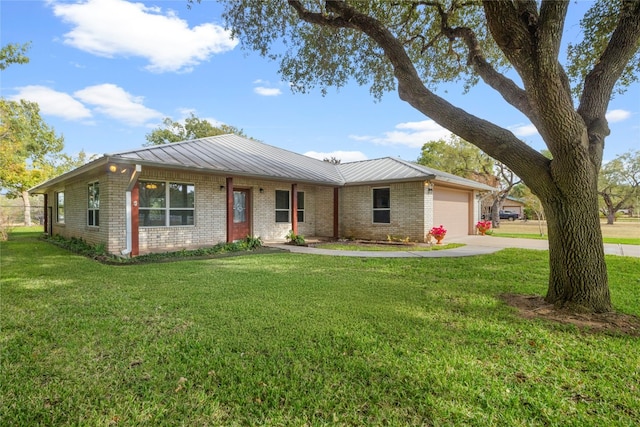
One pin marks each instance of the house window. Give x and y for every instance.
(165, 204)
(300, 206)
(381, 206)
(93, 208)
(282, 206)
(60, 207)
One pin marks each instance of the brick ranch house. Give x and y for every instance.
(201, 192)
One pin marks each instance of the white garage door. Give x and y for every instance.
(452, 210)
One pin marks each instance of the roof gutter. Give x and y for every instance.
(391, 181)
(103, 162)
(43, 187)
(468, 183)
(225, 173)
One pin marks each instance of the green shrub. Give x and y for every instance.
(99, 251)
(295, 239)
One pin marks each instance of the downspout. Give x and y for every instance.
(127, 200)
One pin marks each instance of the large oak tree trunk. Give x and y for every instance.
(577, 270)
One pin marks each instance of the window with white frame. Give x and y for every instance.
(93, 208)
(300, 206)
(166, 204)
(60, 207)
(282, 206)
(381, 206)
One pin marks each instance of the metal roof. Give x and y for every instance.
(235, 155)
(393, 169)
(384, 169)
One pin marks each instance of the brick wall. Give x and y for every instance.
(318, 210)
(75, 211)
(428, 211)
(323, 207)
(211, 214)
(408, 214)
(411, 211)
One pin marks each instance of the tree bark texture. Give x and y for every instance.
(577, 270)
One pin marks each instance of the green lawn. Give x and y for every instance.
(624, 232)
(613, 240)
(359, 246)
(289, 339)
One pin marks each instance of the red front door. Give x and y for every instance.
(241, 214)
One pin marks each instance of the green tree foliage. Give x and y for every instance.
(619, 183)
(193, 128)
(13, 53)
(412, 47)
(333, 160)
(459, 157)
(28, 149)
(599, 25)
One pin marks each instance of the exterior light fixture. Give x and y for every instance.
(261, 190)
(221, 187)
(114, 168)
(429, 186)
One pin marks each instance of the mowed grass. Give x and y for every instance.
(624, 231)
(359, 246)
(286, 339)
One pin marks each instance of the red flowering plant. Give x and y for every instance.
(483, 226)
(438, 232)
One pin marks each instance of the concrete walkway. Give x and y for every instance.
(474, 245)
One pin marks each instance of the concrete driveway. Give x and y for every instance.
(474, 245)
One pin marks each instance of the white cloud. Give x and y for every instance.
(524, 130)
(115, 102)
(617, 115)
(266, 91)
(343, 156)
(363, 138)
(410, 134)
(422, 126)
(53, 103)
(112, 28)
(265, 88)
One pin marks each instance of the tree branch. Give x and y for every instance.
(499, 143)
(507, 88)
(600, 81)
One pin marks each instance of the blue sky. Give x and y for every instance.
(106, 72)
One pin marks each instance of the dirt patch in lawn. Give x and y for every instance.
(535, 307)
